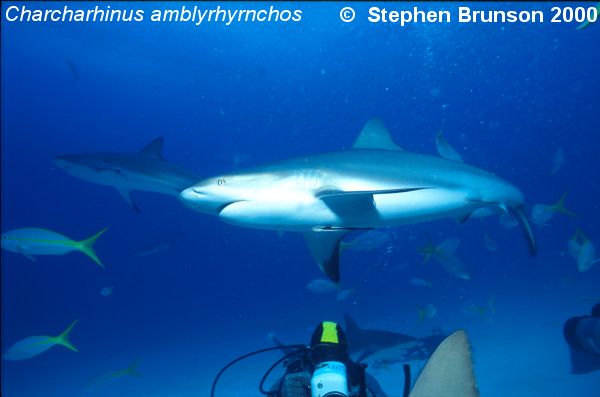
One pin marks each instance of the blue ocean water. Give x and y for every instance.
(507, 96)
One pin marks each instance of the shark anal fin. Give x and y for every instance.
(126, 194)
(154, 148)
(449, 370)
(325, 248)
(375, 135)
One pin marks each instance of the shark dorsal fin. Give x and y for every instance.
(351, 325)
(375, 135)
(449, 370)
(154, 148)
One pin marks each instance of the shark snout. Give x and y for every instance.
(62, 162)
(196, 199)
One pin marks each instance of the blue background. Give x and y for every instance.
(507, 95)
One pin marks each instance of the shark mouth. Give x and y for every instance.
(223, 206)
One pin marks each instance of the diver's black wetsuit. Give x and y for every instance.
(583, 337)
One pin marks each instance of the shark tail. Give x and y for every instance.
(587, 22)
(519, 212)
(560, 206)
(87, 246)
(63, 339)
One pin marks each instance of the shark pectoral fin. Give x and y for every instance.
(325, 248)
(30, 257)
(449, 370)
(520, 214)
(350, 202)
(126, 194)
(154, 148)
(375, 135)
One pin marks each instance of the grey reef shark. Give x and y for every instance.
(145, 170)
(374, 184)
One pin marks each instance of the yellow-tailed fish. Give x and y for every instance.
(427, 311)
(36, 241)
(108, 378)
(542, 213)
(444, 255)
(34, 345)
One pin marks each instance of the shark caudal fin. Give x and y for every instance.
(87, 246)
(519, 212)
(63, 339)
(560, 206)
(449, 370)
(586, 23)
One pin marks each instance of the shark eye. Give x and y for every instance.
(220, 181)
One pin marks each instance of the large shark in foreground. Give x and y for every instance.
(375, 184)
(145, 170)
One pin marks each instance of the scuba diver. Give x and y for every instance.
(326, 369)
(323, 369)
(583, 337)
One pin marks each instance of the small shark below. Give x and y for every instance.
(363, 342)
(145, 170)
(375, 184)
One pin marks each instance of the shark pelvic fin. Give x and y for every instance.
(325, 248)
(126, 194)
(463, 218)
(375, 135)
(154, 148)
(449, 370)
